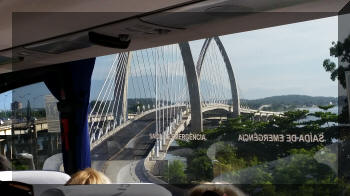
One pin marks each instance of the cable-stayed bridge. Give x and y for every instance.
(159, 92)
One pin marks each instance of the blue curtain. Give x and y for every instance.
(70, 84)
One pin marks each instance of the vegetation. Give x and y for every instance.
(176, 173)
(268, 163)
(341, 51)
(288, 102)
(102, 106)
(133, 103)
(5, 114)
(22, 113)
(200, 166)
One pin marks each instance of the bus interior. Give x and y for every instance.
(166, 96)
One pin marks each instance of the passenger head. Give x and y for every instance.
(209, 189)
(5, 164)
(88, 176)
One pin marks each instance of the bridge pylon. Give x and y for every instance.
(193, 87)
(229, 69)
(121, 90)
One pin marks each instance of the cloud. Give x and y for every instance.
(283, 59)
(279, 60)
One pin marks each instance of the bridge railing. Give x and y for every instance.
(103, 135)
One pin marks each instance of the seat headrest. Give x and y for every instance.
(6, 175)
(108, 190)
(35, 177)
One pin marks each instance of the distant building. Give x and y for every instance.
(52, 114)
(16, 105)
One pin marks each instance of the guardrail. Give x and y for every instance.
(127, 123)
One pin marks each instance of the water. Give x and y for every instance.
(170, 157)
(334, 110)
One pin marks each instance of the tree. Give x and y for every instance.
(176, 172)
(327, 107)
(302, 168)
(340, 50)
(200, 166)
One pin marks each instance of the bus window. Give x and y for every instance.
(268, 111)
(30, 130)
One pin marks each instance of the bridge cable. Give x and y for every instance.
(109, 94)
(102, 89)
(120, 91)
(106, 90)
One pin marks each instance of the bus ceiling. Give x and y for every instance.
(42, 38)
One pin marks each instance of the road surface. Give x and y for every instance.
(125, 151)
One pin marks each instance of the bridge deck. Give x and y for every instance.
(120, 155)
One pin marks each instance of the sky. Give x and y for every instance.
(282, 60)
(273, 61)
